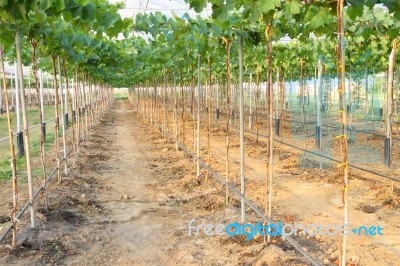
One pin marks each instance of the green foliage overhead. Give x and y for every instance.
(92, 37)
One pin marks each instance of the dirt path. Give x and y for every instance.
(134, 205)
(107, 210)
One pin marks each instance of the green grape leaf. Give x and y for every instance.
(60, 25)
(379, 14)
(83, 2)
(22, 9)
(354, 11)
(59, 5)
(67, 16)
(159, 17)
(221, 10)
(267, 5)
(76, 11)
(320, 18)
(89, 12)
(198, 5)
(44, 4)
(3, 3)
(293, 6)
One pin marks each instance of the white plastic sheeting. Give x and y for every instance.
(179, 7)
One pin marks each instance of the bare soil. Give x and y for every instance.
(130, 195)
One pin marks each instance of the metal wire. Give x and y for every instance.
(27, 204)
(329, 158)
(326, 157)
(32, 127)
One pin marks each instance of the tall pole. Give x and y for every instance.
(12, 153)
(176, 129)
(389, 106)
(198, 117)
(41, 94)
(165, 104)
(217, 101)
(29, 86)
(228, 114)
(77, 110)
(315, 87)
(63, 121)
(268, 33)
(277, 120)
(11, 89)
(366, 102)
(319, 115)
(251, 102)
(350, 99)
(26, 129)
(208, 100)
(242, 166)
(20, 146)
(57, 121)
(343, 139)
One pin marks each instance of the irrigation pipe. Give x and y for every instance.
(296, 245)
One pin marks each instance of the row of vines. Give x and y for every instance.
(88, 49)
(203, 62)
(71, 48)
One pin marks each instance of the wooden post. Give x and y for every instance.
(268, 208)
(318, 131)
(251, 102)
(366, 103)
(165, 105)
(389, 106)
(63, 111)
(26, 128)
(39, 96)
(57, 121)
(12, 154)
(20, 147)
(78, 110)
(242, 164)
(176, 127)
(228, 112)
(343, 139)
(209, 116)
(198, 118)
(277, 118)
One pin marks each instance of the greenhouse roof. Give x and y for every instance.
(179, 7)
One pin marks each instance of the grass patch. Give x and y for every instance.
(32, 115)
(120, 96)
(5, 166)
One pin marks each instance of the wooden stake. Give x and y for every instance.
(389, 106)
(209, 117)
(63, 120)
(268, 209)
(12, 153)
(26, 128)
(228, 112)
(343, 139)
(39, 95)
(57, 121)
(198, 117)
(241, 122)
